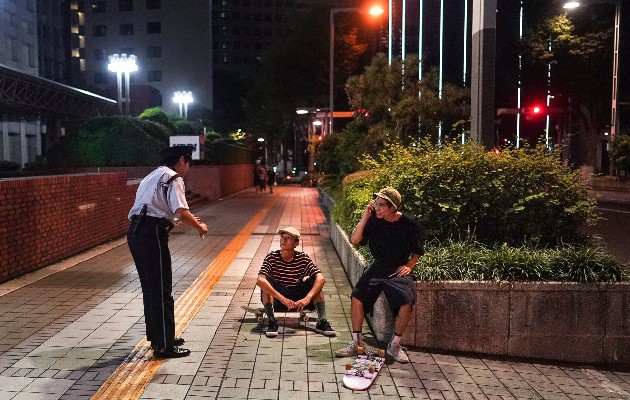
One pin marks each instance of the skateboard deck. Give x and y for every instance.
(259, 312)
(361, 373)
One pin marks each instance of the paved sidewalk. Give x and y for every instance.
(66, 330)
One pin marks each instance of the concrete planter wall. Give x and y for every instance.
(548, 320)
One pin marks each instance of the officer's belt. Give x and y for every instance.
(161, 223)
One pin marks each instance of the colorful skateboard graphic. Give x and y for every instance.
(361, 373)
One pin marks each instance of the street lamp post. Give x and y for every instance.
(614, 117)
(123, 64)
(333, 11)
(183, 99)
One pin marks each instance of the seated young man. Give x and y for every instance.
(290, 281)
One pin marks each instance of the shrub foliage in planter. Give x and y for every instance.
(476, 262)
(463, 192)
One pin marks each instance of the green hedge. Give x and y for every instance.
(476, 262)
(463, 192)
(110, 141)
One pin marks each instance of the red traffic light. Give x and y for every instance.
(536, 110)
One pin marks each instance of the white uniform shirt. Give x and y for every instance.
(152, 192)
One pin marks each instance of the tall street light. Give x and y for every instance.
(614, 117)
(374, 11)
(123, 64)
(183, 99)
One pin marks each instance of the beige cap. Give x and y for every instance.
(390, 194)
(291, 231)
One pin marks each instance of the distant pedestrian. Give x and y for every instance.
(159, 199)
(262, 181)
(256, 178)
(271, 179)
(393, 239)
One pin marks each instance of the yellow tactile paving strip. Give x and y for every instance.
(134, 374)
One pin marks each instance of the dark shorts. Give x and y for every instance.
(295, 293)
(398, 291)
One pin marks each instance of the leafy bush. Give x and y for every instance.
(156, 114)
(475, 262)
(185, 128)
(463, 192)
(9, 166)
(620, 154)
(110, 141)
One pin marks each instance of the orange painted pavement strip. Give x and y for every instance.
(136, 371)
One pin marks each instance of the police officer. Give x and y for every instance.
(159, 199)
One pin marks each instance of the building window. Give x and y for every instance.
(154, 51)
(153, 4)
(154, 27)
(99, 54)
(154, 75)
(126, 29)
(99, 30)
(125, 5)
(99, 6)
(100, 78)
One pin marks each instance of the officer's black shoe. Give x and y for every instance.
(179, 341)
(173, 352)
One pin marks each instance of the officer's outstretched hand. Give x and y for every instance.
(203, 230)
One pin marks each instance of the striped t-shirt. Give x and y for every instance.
(289, 273)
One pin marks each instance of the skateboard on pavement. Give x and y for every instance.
(361, 373)
(259, 312)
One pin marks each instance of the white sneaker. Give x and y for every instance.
(349, 351)
(397, 352)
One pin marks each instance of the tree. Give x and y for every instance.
(583, 77)
(392, 105)
(294, 73)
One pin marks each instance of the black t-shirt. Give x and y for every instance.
(391, 243)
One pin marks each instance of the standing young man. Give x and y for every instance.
(159, 199)
(289, 280)
(393, 239)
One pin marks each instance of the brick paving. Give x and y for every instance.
(65, 331)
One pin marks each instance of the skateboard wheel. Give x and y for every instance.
(371, 369)
(381, 353)
(260, 319)
(348, 366)
(305, 318)
(360, 349)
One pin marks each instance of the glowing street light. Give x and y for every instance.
(374, 11)
(183, 99)
(123, 64)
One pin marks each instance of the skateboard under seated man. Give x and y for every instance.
(290, 281)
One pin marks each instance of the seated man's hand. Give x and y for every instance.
(289, 304)
(302, 303)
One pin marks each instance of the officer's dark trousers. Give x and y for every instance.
(149, 249)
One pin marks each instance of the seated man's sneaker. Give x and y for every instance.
(272, 329)
(324, 328)
(350, 350)
(397, 353)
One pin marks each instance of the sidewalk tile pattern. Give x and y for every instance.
(65, 333)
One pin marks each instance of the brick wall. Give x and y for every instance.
(47, 219)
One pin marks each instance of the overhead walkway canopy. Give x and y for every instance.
(29, 97)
